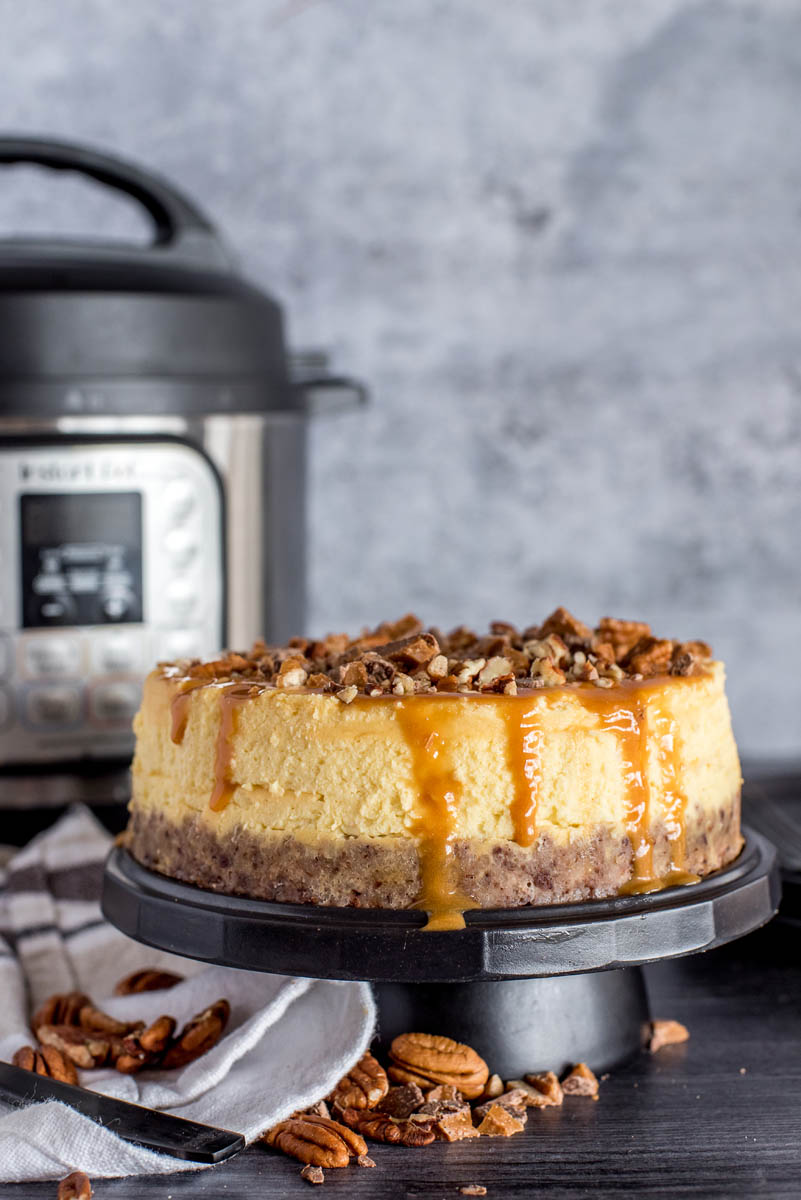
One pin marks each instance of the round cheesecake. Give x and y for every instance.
(409, 768)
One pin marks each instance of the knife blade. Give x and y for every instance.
(146, 1127)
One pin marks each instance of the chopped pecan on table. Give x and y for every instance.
(148, 979)
(320, 1109)
(548, 1085)
(402, 1101)
(492, 1088)
(316, 1140)
(425, 1059)
(382, 1128)
(197, 1036)
(64, 1008)
(75, 1187)
(666, 1033)
(145, 1047)
(87, 1050)
(313, 1174)
(499, 1122)
(364, 1085)
(364, 1160)
(580, 1082)
(47, 1061)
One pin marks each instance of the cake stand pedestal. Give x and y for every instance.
(529, 988)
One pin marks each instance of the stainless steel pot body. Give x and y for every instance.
(222, 553)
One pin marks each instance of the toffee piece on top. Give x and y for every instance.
(410, 768)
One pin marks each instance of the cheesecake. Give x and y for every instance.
(409, 768)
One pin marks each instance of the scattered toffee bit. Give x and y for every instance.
(499, 1122)
(473, 1189)
(666, 1033)
(364, 1160)
(402, 658)
(75, 1187)
(580, 1082)
(312, 1174)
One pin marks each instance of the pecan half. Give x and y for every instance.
(649, 656)
(75, 1187)
(96, 1021)
(87, 1050)
(364, 1085)
(580, 1082)
(621, 635)
(64, 1008)
(383, 1128)
(149, 979)
(145, 1048)
(198, 1035)
(316, 1140)
(426, 1059)
(48, 1061)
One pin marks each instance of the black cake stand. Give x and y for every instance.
(529, 988)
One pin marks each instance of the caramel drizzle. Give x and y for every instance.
(439, 793)
(669, 754)
(179, 709)
(231, 697)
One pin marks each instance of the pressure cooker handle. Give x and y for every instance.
(173, 215)
(327, 395)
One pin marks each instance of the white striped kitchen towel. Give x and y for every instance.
(287, 1043)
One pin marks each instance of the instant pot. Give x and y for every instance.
(152, 475)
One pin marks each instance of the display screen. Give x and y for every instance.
(81, 558)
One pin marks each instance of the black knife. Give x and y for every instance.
(145, 1126)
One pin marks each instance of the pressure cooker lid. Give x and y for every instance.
(169, 327)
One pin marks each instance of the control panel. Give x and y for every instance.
(111, 559)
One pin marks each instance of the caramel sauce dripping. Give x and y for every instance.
(232, 695)
(669, 755)
(439, 793)
(179, 709)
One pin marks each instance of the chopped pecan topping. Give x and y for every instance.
(363, 1086)
(402, 658)
(47, 1061)
(198, 1036)
(425, 1058)
(316, 1140)
(149, 979)
(666, 1033)
(75, 1187)
(580, 1082)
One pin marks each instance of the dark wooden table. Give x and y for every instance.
(717, 1117)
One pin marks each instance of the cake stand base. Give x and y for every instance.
(530, 989)
(521, 1025)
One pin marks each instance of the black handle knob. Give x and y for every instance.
(172, 213)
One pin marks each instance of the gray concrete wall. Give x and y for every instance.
(562, 241)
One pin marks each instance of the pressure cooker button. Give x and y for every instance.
(182, 597)
(48, 656)
(179, 499)
(116, 605)
(53, 707)
(116, 702)
(118, 653)
(181, 547)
